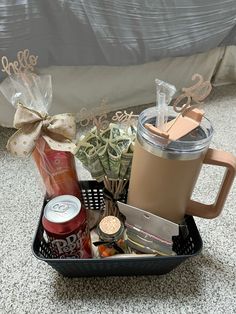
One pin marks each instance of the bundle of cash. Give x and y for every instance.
(108, 152)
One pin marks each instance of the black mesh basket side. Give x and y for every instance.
(115, 267)
(92, 192)
(185, 247)
(190, 244)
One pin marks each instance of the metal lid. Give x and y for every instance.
(62, 208)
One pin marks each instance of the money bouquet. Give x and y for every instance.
(106, 151)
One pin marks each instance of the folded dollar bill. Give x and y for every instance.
(108, 152)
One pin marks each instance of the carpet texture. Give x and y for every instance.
(204, 284)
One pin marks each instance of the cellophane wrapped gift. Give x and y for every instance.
(47, 138)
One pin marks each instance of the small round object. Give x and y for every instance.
(110, 228)
(110, 225)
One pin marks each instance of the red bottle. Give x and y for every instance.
(57, 169)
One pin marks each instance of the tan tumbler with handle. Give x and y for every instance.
(216, 158)
(163, 177)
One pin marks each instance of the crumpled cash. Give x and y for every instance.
(108, 152)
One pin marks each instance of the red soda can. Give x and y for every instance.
(65, 223)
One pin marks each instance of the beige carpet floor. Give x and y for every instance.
(204, 284)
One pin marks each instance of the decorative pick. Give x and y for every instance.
(98, 116)
(124, 117)
(194, 95)
(24, 62)
(190, 115)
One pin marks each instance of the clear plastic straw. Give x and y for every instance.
(164, 94)
(162, 114)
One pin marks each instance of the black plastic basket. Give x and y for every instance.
(186, 245)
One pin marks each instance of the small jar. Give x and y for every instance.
(111, 234)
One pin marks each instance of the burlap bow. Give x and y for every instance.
(58, 131)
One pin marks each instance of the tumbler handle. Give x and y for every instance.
(216, 158)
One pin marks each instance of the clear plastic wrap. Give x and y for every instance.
(30, 89)
(47, 138)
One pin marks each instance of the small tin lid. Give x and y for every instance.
(110, 227)
(62, 208)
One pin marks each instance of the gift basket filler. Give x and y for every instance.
(136, 215)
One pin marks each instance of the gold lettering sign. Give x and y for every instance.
(193, 96)
(25, 62)
(97, 116)
(125, 117)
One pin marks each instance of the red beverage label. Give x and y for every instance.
(65, 223)
(58, 162)
(75, 245)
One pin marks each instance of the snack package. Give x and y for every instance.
(48, 138)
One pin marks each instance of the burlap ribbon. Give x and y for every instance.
(58, 131)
